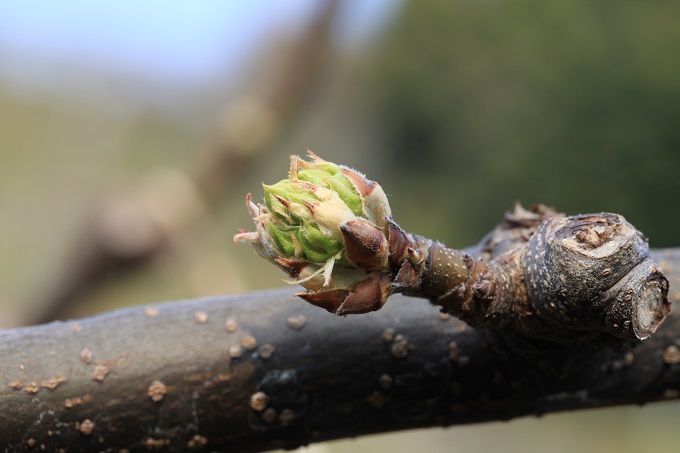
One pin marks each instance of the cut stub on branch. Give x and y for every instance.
(539, 274)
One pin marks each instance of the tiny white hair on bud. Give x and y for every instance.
(248, 237)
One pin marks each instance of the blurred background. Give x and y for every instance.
(130, 133)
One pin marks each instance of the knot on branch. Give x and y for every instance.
(593, 272)
(544, 275)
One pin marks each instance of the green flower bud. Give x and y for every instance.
(283, 237)
(330, 176)
(323, 217)
(286, 200)
(318, 247)
(306, 220)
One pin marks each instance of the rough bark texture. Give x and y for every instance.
(266, 370)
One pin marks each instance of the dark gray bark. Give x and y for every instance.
(266, 370)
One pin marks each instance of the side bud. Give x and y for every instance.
(370, 294)
(366, 246)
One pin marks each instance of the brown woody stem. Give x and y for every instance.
(541, 275)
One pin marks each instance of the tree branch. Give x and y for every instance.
(539, 274)
(267, 370)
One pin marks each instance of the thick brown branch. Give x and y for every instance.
(267, 370)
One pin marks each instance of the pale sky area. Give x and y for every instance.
(162, 41)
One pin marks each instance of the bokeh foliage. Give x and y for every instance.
(571, 103)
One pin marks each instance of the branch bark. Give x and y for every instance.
(266, 370)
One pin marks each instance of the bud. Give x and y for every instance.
(373, 199)
(366, 246)
(329, 175)
(327, 227)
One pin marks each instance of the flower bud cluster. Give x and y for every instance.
(326, 225)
